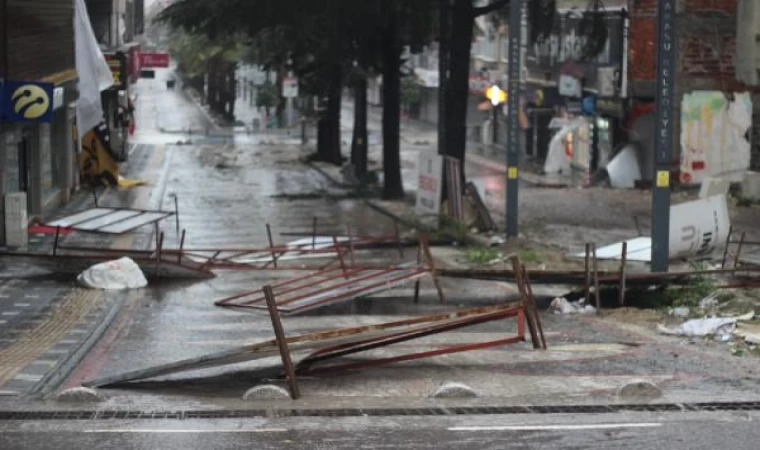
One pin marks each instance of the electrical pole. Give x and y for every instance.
(663, 140)
(513, 105)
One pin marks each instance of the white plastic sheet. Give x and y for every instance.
(560, 305)
(113, 275)
(721, 328)
(92, 68)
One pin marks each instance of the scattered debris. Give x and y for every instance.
(681, 311)
(623, 170)
(110, 220)
(113, 275)
(336, 344)
(560, 305)
(710, 301)
(496, 241)
(334, 285)
(454, 390)
(719, 328)
(697, 228)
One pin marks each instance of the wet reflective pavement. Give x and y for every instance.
(644, 431)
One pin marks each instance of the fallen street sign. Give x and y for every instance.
(154, 60)
(26, 101)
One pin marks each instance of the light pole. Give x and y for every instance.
(663, 139)
(513, 106)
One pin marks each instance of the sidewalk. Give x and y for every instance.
(46, 323)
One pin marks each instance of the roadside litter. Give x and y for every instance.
(560, 305)
(329, 346)
(697, 228)
(113, 275)
(719, 328)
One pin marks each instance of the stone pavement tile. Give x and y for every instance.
(39, 350)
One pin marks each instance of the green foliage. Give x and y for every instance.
(411, 91)
(193, 52)
(528, 255)
(744, 202)
(482, 255)
(267, 96)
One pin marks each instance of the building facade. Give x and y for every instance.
(38, 46)
(716, 134)
(117, 24)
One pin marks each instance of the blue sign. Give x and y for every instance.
(588, 105)
(26, 101)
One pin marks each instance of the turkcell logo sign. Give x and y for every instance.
(26, 101)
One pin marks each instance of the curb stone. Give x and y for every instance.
(266, 392)
(639, 389)
(80, 395)
(454, 390)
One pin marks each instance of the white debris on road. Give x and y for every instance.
(113, 275)
(720, 328)
(560, 305)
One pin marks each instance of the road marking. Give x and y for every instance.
(599, 426)
(231, 430)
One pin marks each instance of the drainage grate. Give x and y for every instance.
(373, 412)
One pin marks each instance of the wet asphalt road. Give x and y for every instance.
(708, 431)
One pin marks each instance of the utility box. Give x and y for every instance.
(16, 221)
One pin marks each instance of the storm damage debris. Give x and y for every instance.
(120, 274)
(346, 282)
(330, 346)
(110, 220)
(153, 263)
(697, 229)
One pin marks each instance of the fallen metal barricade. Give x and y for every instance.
(110, 220)
(154, 263)
(343, 283)
(331, 345)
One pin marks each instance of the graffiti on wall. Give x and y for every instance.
(714, 135)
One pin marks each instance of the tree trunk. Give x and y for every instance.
(328, 136)
(458, 88)
(393, 187)
(444, 19)
(280, 108)
(359, 144)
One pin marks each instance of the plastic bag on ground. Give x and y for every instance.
(721, 328)
(560, 305)
(113, 275)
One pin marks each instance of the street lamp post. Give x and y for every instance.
(513, 107)
(663, 140)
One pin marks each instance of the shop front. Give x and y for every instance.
(118, 101)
